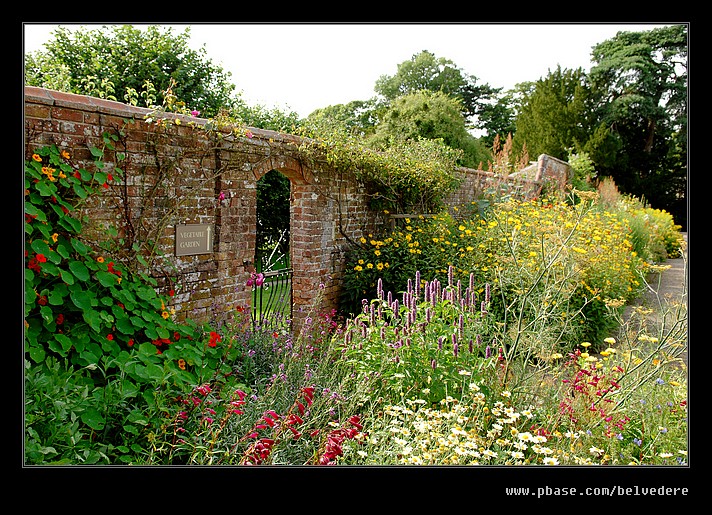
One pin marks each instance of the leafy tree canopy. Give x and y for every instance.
(640, 79)
(555, 114)
(108, 61)
(424, 71)
(428, 115)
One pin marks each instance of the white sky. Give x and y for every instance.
(302, 67)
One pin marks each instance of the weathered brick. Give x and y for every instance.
(172, 174)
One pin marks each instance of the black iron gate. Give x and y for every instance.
(272, 300)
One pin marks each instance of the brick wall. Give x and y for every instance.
(175, 173)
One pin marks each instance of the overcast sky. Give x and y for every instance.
(302, 67)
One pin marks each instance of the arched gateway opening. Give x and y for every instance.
(272, 299)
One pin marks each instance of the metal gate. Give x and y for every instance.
(272, 301)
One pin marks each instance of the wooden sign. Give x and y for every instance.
(194, 239)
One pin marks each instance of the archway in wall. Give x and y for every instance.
(273, 224)
(272, 299)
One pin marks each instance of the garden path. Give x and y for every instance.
(667, 291)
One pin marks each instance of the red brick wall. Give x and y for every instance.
(175, 173)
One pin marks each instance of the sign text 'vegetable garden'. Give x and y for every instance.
(194, 239)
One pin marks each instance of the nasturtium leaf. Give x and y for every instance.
(79, 270)
(146, 293)
(125, 326)
(106, 278)
(37, 354)
(92, 318)
(79, 190)
(53, 257)
(154, 372)
(79, 246)
(64, 341)
(137, 322)
(82, 299)
(56, 296)
(71, 224)
(45, 189)
(49, 268)
(62, 250)
(46, 313)
(66, 276)
(40, 247)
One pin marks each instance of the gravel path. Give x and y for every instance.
(667, 293)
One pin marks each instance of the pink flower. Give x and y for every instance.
(259, 279)
(195, 113)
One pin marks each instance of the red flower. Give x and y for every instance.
(41, 258)
(308, 394)
(171, 293)
(110, 267)
(60, 319)
(109, 336)
(131, 342)
(42, 301)
(355, 421)
(34, 265)
(214, 339)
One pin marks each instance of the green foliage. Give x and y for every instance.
(426, 72)
(79, 304)
(555, 114)
(583, 170)
(428, 115)
(407, 175)
(640, 80)
(656, 235)
(84, 310)
(111, 62)
(473, 361)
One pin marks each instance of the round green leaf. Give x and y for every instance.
(93, 418)
(79, 270)
(67, 277)
(106, 278)
(40, 247)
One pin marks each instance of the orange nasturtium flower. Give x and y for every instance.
(64, 154)
(181, 364)
(37, 157)
(100, 259)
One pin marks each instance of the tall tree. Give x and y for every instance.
(108, 61)
(555, 115)
(640, 79)
(431, 115)
(424, 71)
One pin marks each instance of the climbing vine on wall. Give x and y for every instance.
(412, 175)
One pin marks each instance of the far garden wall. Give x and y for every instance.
(177, 173)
